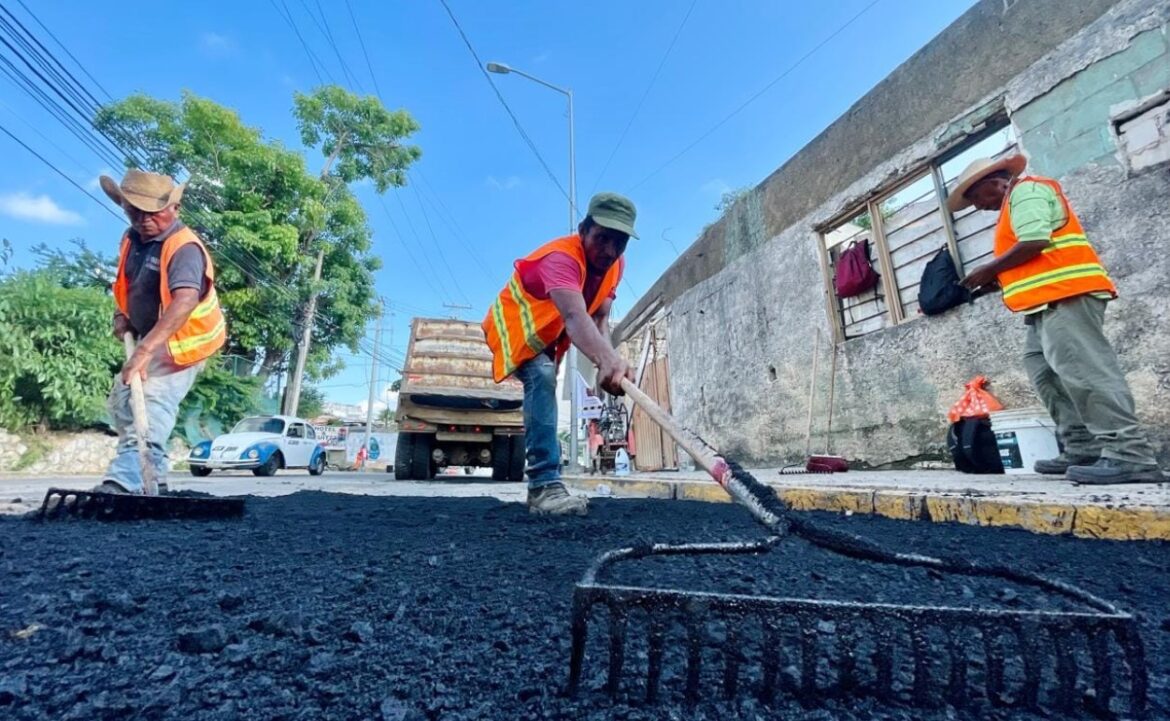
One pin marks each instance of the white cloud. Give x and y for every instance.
(216, 45)
(540, 58)
(715, 187)
(507, 183)
(37, 208)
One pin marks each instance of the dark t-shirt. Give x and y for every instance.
(186, 270)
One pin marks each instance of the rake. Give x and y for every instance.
(62, 503)
(1088, 660)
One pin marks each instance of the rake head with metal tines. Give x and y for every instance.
(1091, 660)
(61, 503)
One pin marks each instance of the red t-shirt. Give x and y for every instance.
(555, 271)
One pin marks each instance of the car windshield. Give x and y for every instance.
(259, 425)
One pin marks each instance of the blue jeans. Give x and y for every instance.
(165, 386)
(539, 377)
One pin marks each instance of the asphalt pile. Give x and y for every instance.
(320, 606)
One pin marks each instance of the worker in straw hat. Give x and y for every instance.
(560, 294)
(165, 297)
(1048, 272)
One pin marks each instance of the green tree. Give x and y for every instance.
(57, 342)
(265, 215)
(80, 267)
(312, 402)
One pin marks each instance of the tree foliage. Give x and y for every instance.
(57, 341)
(80, 267)
(265, 215)
(730, 198)
(311, 403)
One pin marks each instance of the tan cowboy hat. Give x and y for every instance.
(148, 192)
(978, 170)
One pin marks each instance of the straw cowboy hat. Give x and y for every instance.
(978, 170)
(149, 192)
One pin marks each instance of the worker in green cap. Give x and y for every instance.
(560, 295)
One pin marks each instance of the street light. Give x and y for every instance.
(571, 371)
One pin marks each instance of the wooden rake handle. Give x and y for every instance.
(141, 423)
(703, 454)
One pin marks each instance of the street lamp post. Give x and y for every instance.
(571, 370)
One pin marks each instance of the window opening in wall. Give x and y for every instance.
(914, 231)
(862, 313)
(912, 225)
(975, 230)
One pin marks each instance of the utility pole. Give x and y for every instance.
(293, 398)
(373, 379)
(453, 307)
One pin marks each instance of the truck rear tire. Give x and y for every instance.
(403, 455)
(517, 458)
(421, 466)
(501, 457)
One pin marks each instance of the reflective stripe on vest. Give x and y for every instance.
(205, 330)
(519, 326)
(1068, 267)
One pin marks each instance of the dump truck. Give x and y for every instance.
(450, 411)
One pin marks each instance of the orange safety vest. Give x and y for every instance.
(205, 330)
(1068, 267)
(519, 326)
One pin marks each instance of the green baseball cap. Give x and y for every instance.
(617, 212)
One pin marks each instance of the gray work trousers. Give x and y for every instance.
(165, 387)
(1076, 374)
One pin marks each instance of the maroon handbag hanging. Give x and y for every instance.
(855, 273)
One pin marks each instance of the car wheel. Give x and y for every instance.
(200, 471)
(501, 456)
(403, 454)
(271, 466)
(317, 467)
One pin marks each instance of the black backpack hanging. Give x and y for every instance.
(939, 290)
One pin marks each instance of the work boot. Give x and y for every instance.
(1107, 471)
(554, 500)
(1059, 466)
(108, 486)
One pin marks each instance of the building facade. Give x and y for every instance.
(1081, 88)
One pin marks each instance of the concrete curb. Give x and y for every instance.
(1109, 522)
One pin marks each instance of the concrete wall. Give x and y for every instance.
(743, 305)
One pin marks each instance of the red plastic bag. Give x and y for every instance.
(975, 403)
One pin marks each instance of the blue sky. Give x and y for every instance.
(486, 197)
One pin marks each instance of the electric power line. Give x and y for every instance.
(362, 43)
(57, 170)
(328, 33)
(438, 246)
(312, 58)
(499, 96)
(757, 94)
(62, 46)
(645, 94)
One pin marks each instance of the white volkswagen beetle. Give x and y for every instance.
(262, 444)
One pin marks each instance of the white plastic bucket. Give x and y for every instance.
(1024, 436)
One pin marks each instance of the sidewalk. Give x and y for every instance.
(1037, 503)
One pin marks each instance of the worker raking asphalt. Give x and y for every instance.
(320, 606)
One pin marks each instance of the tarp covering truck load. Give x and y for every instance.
(450, 411)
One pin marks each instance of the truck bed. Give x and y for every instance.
(448, 372)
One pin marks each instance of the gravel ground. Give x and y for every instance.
(320, 606)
